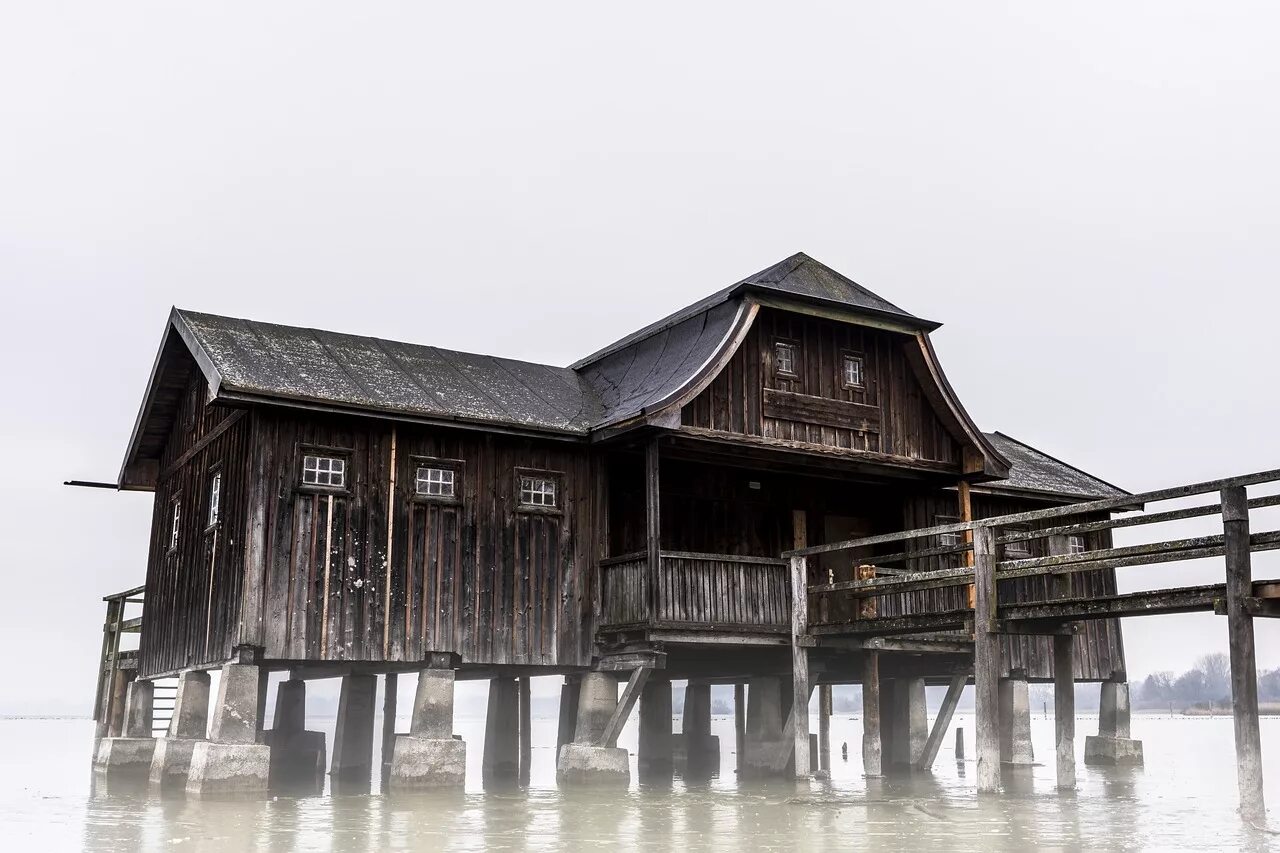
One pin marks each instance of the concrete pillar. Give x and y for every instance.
(904, 722)
(188, 725)
(352, 764)
(297, 755)
(740, 724)
(501, 761)
(429, 756)
(390, 698)
(1113, 745)
(764, 725)
(654, 756)
(525, 719)
(127, 759)
(232, 761)
(696, 746)
(587, 761)
(1015, 722)
(823, 762)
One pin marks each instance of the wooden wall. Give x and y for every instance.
(193, 590)
(479, 577)
(889, 414)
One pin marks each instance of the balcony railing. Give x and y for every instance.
(697, 591)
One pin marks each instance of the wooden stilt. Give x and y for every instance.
(526, 731)
(824, 727)
(389, 697)
(740, 724)
(942, 722)
(800, 663)
(986, 669)
(871, 749)
(1244, 669)
(1064, 683)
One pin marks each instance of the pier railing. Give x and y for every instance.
(708, 592)
(987, 559)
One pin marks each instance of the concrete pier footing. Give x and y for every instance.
(501, 758)
(352, 762)
(764, 738)
(187, 727)
(1015, 722)
(429, 756)
(297, 755)
(587, 761)
(1113, 744)
(654, 756)
(695, 747)
(232, 762)
(128, 758)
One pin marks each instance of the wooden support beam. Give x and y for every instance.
(1064, 683)
(966, 514)
(526, 729)
(872, 750)
(653, 525)
(635, 684)
(1244, 669)
(389, 696)
(986, 668)
(824, 727)
(740, 724)
(800, 663)
(942, 722)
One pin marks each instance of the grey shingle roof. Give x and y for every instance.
(1034, 471)
(252, 359)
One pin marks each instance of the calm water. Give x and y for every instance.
(1184, 798)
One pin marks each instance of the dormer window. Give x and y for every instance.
(786, 361)
(852, 371)
(324, 471)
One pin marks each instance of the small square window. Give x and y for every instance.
(538, 491)
(852, 371)
(324, 471)
(785, 358)
(176, 524)
(434, 482)
(948, 539)
(215, 498)
(1076, 545)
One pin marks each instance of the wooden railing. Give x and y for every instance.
(697, 591)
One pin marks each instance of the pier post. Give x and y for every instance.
(127, 758)
(526, 728)
(390, 698)
(297, 755)
(654, 756)
(800, 663)
(1113, 745)
(1244, 675)
(986, 670)
(429, 756)
(701, 749)
(1015, 721)
(824, 728)
(589, 759)
(352, 765)
(1064, 682)
(872, 753)
(501, 760)
(232, 761)
(740, 725)
(189, 724)
(568, 710)
(764, 732)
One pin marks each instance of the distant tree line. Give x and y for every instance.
(1208, 681)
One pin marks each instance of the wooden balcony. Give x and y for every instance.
(699, 592)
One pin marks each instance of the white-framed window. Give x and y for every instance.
(1019, 550)
(784, 358)
(433, 482)
(324, 471)
(851, 372)
(175, 525)
(1076, 544)
(539, 491)
(948, 539)
(215, 497)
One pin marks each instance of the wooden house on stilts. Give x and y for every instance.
(333, 505)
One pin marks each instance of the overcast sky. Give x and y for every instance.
(1085, 194)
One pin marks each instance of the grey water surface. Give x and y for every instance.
(1185, 798)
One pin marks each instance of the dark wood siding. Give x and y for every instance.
(478, 576)
(889, 414)
(193, 590)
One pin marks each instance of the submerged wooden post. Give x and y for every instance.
(872, 754)
(1064, 682)
(1244, 674)
(986, 667)
(800, 662)
(824, 727)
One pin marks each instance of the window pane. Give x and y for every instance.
(436, 482)
(323, 471)
(215, 497)
(852, 370)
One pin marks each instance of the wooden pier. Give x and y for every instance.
(1239, 597)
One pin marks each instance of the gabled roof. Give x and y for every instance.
(1032, 471)
(799, 277)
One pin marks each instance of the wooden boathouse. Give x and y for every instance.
(775, 487)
